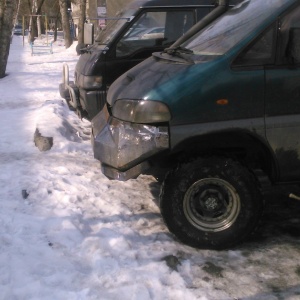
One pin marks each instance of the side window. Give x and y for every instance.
(155, 29)
(203, 11)
(260, 52)
(289, 37)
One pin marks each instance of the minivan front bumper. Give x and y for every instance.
(123, 147)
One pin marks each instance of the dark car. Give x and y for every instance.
(220, 114)
(120, 46)
(18, 30)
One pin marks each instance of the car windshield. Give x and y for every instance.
(225, 32)
(106, 34)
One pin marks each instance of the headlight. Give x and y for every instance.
(90, 82)
(141, 111)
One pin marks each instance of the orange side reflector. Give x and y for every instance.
(222, 101)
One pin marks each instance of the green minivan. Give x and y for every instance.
(219, 115)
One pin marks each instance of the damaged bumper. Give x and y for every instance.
(123, 148)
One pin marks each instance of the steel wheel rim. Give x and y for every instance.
(211, 204)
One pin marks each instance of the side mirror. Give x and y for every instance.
(80, 49)
(293, 48)
(88, 36)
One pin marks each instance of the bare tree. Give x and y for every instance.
(35, 23)
(65, 22)
(7, 8)
(82, 17)
(55, 26)
(16, 14)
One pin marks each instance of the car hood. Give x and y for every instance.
(178, 85)
(145, 78)
(87, 60)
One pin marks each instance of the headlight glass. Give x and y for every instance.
(90, 82)
(141, 111)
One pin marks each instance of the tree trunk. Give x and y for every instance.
(39, 19)
(35, 21)
(55, 27)
(32, 23)
(7, 8)
(82, 17)
(33, 33)
(16, 14)
(65, 23)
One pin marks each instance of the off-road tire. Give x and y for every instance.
(211, 203)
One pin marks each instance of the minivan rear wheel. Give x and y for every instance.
(211, 203)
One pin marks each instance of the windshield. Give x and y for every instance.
(105, 34)
(225, 32)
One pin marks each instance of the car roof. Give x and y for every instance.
(168, 3)
(176, 3)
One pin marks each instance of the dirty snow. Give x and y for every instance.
(67, 232)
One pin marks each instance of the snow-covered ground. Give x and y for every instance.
(67, 232)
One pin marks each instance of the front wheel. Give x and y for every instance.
(211, 203)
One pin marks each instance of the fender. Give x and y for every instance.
(243, 144)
